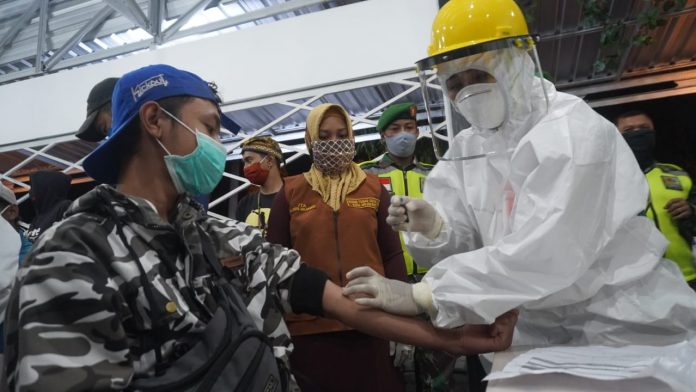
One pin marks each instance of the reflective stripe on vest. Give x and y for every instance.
(665, 185)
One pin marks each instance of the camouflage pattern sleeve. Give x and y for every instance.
(63, 330)
(265, 276)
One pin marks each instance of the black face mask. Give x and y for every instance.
(642, 143)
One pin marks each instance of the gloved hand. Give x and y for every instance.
(406, 214)
(390, 295)
(402, 353)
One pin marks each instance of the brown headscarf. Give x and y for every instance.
(333, 189)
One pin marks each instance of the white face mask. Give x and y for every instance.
(482, 104)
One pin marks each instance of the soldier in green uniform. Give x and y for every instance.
(397, 169)
(672, 195)
(402, 175)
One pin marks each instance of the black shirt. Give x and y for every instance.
(254, 209)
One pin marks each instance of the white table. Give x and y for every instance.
(564, 382)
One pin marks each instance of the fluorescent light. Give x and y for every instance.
(100, 43)
(85, 47)
(117, 39)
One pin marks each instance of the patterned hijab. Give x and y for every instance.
(332, 188)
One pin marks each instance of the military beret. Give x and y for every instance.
(406, 111)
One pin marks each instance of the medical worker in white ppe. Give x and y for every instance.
(534, 206)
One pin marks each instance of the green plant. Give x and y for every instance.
(425, 152)
(529, 8)
(613, 41)
(368, 150)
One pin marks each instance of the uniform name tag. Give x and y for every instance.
(672, 182)
(363, 202)
(302, 207)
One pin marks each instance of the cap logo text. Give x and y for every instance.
(142, 87)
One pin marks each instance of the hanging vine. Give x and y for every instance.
(614, 41)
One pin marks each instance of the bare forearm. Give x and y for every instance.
(387, 326)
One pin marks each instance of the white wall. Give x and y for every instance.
(339, 44)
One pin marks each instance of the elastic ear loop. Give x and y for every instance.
(177, 120)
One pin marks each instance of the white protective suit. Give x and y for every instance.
(550, 224)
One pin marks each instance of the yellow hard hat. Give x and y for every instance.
(472, 24)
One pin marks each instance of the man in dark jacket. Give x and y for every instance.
(49, 194)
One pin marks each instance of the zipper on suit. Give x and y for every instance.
(405, 173)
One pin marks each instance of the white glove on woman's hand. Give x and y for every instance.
(390, 295)
(415, 215)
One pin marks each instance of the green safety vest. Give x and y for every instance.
(668, 182)
(401, 182)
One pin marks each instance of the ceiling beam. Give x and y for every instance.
(41, 38)
(679, 77)
(183, 19)
(647, 96)
(97, 21)
(156, 13)
(19, 24)
(131, 10)
(288, 6)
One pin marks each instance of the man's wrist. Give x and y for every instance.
(450, 341)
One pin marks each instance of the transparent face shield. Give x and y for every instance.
(476, 89)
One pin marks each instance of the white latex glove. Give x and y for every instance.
(414, 215)
(393, 296)
(402, 353)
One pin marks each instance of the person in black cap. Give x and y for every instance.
(119, 293)
(96, 125)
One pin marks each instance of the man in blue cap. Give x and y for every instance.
(128, 289)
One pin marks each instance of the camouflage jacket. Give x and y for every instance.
(78, 317)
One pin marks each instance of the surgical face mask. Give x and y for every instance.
(200, 171)
(642, 143)
(255, 173)
(482, 104)
(332, 157)
(401, 145)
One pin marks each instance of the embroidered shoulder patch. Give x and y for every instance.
(302, 207)
(386, 182)
(363, 202)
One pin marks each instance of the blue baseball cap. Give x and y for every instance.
(151, 83)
